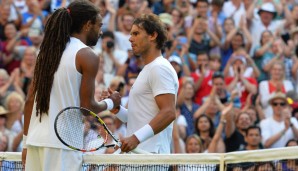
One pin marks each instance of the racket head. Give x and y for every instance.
(80, 129)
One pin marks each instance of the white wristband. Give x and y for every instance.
(110, 104)
(24, 141)
(122, 114)
(144, 133)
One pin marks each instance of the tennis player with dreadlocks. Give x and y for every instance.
(64, 76)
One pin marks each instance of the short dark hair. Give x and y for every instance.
(291, 140)
(252, 127)
(151, 24)
(204, 1)
(217, 2)
(203, 53)
(218, 74)
(108, 34)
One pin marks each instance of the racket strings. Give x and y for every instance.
(81, 131)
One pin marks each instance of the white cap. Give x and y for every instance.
(268, 7)
(176, 59)
(166, 18)
(239, 57)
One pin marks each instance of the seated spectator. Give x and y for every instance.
(200, 38)
(202, 77)
(34, 18)
(276, 83)
(26, 70)
(178, 22)
(211, 107)
(240, 58)
(205, 129)
(235, 131)
(253, 139)
(264, 50)
(3, 142)
(10, 45)
(278, 129)
(132, 66)
(245, 85)
(224, 96)
(215, 63)
(193, 144)
(6, 132)
(187, 105)
(112, 57)
(8, 13)
(265, 21)
(8, 84)
(15, 103)
(237, 38)
(291, 143)
(265, 166)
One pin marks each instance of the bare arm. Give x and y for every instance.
(212, 148)
(112, 11)
(294, 69)
(228, 39)
(166, 115)
(87, 64)
(260, 52)
(251, 88)
(230, 125)
(215, 41)
(27, 117)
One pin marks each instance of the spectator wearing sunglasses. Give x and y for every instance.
(278, 129)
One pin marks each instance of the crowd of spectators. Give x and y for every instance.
(242, 52)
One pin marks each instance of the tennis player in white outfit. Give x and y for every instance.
(152, 99)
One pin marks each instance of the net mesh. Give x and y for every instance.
(282, 159)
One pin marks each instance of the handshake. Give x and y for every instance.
(112, 99)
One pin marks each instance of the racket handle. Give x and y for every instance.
(140, 151)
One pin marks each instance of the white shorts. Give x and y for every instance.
(53, 159)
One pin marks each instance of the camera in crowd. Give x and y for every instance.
(110, 44)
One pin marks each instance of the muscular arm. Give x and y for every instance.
(166, 115)
(28, 109)
(87, 64)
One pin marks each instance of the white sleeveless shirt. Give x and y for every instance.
(65, 92)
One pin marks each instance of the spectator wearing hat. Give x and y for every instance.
(278, 129)
(267, 13)
(167, 19)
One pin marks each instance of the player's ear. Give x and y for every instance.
(87, 26)
(153, 36)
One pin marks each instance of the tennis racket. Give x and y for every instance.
(81, 129)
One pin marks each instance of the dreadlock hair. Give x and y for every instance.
(58, 29)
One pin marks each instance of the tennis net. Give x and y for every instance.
(281, 159)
